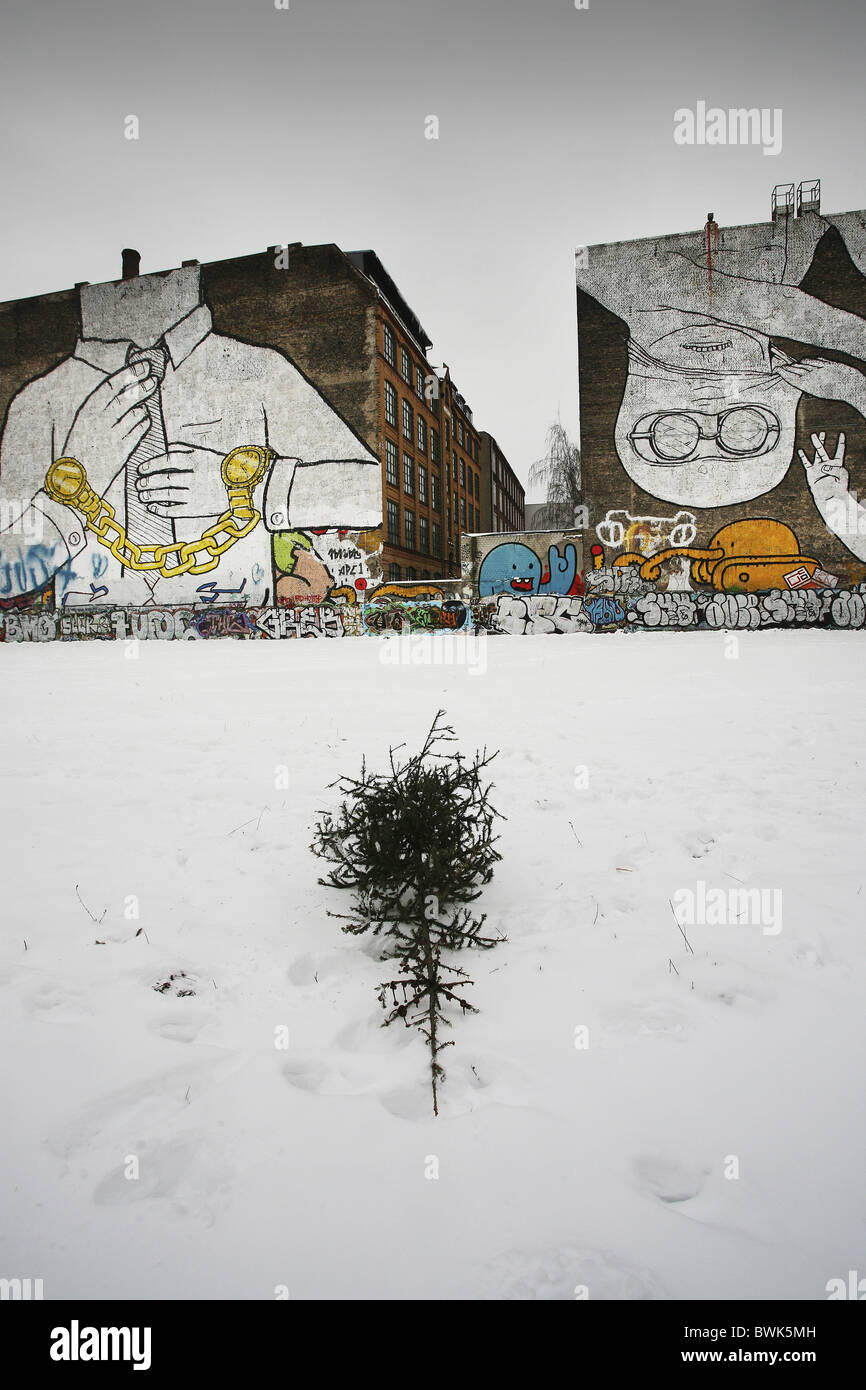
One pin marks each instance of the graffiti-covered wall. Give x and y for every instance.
(723, 412)
(158, 461)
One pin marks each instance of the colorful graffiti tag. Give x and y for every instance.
(637, 610)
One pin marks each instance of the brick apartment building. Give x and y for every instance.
(344, 322)
(503, 506)
(429, 447)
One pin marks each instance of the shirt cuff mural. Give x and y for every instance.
(345, 492)
(275, 507)
(65, 520)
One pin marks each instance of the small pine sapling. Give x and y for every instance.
(416, 845)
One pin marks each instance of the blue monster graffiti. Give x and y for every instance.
(513, 568)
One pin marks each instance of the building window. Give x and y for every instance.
(408, 474)
(434, 491)
(409, 529)
(477, 489)
(393, 572)
(477, 519)
(391, 463)
(454, 505)
(390, 345)
(447, 434)
(434, 446)
(419, 382)
(423, 535)
(411, 573)
(454, 465)
(437, 540)
(422, 435)
(422, 484)
(393, 523)
(462, 472)
(405, 366)
(407, 420)
(460, 435)
(463, 513)
(390, 404)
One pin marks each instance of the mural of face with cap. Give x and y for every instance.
(705, 421)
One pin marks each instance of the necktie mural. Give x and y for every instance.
(144, 525)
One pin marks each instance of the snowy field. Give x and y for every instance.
(182, 785)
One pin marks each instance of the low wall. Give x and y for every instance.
(601, 608)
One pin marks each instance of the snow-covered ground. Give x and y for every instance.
(182, 783)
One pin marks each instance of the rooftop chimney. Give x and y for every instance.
(782, 201)
(808, 196)
(131, 262)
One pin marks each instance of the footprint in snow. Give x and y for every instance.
(160, 1169)
(653, 1019)
(316, 966)
(323, 1079)
(669, 1179)
(472, 1082)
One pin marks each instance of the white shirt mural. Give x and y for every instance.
(150, 403)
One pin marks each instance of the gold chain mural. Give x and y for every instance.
(66, 482)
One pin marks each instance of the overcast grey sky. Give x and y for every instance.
(261, 126)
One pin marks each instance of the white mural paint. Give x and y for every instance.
(646, 534)
(151, 402)
(708, 413)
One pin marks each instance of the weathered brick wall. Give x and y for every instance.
(318, 310)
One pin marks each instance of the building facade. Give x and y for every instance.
(363, 462)
(503, 505)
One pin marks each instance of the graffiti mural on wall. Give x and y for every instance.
(732, 389)
(606, 607)
(414, 608)
(541, 614)
(161, 450)
(523, 564)
(744, 555)
(656, 610)
(515, 568)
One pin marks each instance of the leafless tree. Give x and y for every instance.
(558, 475)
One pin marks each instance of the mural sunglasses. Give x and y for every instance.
(673, 436)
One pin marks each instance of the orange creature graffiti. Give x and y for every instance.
(744, 556)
